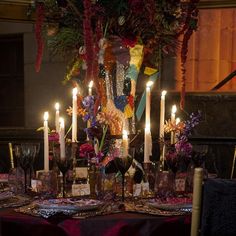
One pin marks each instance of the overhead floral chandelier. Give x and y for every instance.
(96, 34)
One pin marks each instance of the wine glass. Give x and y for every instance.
(35, 153)
(123, 164)
(25, 153)
(63, 164)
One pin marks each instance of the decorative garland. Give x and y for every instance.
(40, 10)
(191, 21)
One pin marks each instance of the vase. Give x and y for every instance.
(164, 184)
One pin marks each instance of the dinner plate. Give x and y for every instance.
(70, 204)
(5, 195)
(170, 206)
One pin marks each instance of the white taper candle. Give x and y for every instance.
(62, 137)
(74, 115)
(46, 142)
(57, 106)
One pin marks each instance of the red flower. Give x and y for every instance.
(86, 150)
(129, 42)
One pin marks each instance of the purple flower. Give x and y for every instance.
(88, 103)
(184, 149)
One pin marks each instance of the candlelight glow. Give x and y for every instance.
(149, 83)
(174, 109)
(45, 116)
(57, 106)
(75, 91)
(62, 122)
(125, 134)
(163, 93)
(90, 84)
(177, 120)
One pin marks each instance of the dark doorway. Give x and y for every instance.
(11, 81)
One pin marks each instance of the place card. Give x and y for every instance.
(137, 190)
(145, 187)
(80, 189)
(36, 185)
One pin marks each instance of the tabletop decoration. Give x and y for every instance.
(84, 208)
(180, 155)
(181, 151)
(10, 200)
(106, 44)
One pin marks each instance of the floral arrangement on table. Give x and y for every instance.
(109, 42)
(179, 154)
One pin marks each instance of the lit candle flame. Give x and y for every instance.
(149, 83)
(90, 84)
(45, 116)
(62, 122)
(174, 109)
(163, 93)
(57, 106)
(125, 134)
(75, 91)
(177, 120)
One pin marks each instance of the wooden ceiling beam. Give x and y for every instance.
(18, 11)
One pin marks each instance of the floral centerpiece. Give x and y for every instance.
(179, 154)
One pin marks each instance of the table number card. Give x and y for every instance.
(80, 189)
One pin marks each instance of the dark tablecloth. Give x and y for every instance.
(12, 223)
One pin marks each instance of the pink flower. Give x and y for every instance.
(53, 136)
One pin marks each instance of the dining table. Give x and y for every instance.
(121, 223)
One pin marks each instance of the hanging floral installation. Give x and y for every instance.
(108, 42)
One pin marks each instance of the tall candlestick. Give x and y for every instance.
(46, 146)
(173, 111)
(90, 93)
(147, 144)
(147, 134)
(162, 113)
(62, 137)
(11, 155)
(74, 115)
(177, 120)
(57, 106)
(90, 87)
(125, 143)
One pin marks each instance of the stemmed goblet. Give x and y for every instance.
(123, 164)
(25, 154)
(63, 164)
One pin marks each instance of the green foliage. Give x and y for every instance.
(65, 41)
